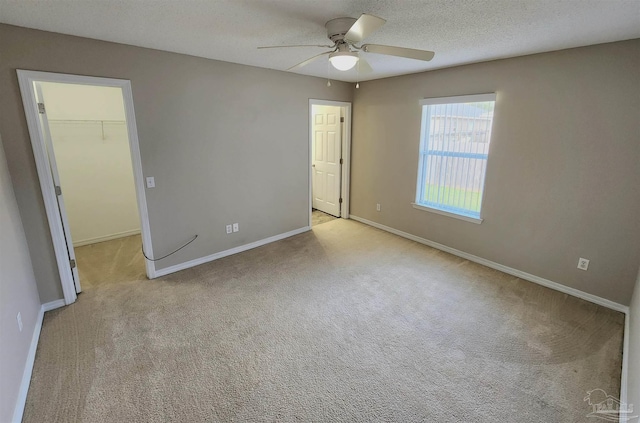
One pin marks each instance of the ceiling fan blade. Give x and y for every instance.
(313, 45)
(363, 67)
(409, 53)
(306, 62)
(363, 27)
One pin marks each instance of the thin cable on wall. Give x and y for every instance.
(163, 257)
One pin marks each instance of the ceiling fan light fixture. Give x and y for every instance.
(343, 60)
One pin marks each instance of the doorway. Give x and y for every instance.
(85, 143)
(330, 141)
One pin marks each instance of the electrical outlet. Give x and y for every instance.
(151, 182)
(229, 229)
(19, 317)
(583, 263)
(378, 207)
(236, 228)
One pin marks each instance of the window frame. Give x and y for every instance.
(422, 154)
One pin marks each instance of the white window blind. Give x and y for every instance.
(454, 147)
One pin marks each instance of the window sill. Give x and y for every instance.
(445, 213)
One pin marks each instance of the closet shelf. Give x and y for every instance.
(86, 121)
(98, 121)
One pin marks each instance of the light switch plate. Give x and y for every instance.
(151, 182)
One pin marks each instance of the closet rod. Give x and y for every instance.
(101, 122)
(88, 120)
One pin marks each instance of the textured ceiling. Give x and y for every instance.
(463, 31)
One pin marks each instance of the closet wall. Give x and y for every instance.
(91, 146)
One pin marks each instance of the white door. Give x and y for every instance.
(326, 143)
(44, 123)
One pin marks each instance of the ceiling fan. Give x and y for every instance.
(346, 33)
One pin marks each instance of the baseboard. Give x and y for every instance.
(28, 369)
(53, 305)
(624, 376)
(105, 238)
(505, 269)
(31, 357)
(221, 254)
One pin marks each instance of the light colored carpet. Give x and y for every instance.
(318, 217)
(106, 263)
(344, 323)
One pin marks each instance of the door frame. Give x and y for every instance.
(26, 81)
(345, 169)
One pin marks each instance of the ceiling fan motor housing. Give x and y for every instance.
(337, 28)
(344, 53)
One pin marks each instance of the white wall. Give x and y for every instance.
(94, 161)
(18, 293)
(633, 381)
(84, 102)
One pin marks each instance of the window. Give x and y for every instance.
(454, 146)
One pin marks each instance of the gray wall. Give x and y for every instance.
(563, 174)
(633, 381)
(18, 294)
(226, 143)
